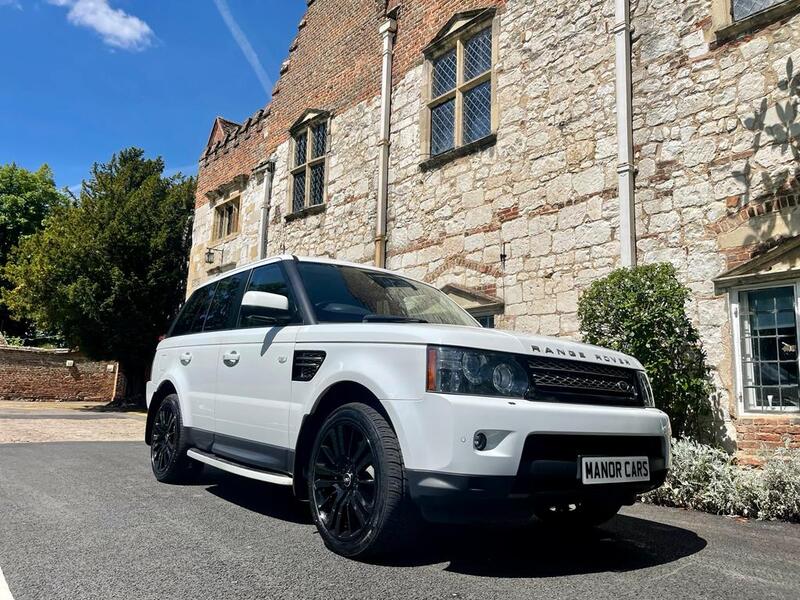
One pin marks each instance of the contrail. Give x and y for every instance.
(244, 44)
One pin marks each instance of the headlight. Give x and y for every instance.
(645, 389)
(467, 371)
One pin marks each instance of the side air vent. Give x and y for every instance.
(306, 364)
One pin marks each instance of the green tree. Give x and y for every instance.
(26, 198)
(110, 271)
(641, 311)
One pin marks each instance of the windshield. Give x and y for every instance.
(343, 294)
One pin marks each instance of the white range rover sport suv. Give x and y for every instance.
(379, 400)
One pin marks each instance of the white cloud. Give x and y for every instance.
(11, 3)
(117, 28)
(244, 45)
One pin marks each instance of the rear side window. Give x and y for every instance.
(269, 278)
(225, 306)
(193, 314)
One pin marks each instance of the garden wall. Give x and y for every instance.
(34, 374)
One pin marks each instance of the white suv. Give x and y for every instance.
(377, 398)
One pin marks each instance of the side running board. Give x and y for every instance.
(237, 469)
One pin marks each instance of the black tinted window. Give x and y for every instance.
(225, 305)
(193, 315)
(269, 278)
(347, 294)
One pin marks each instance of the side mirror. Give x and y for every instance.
(255, 299)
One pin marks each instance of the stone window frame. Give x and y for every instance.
(310, 119)
(725, 27)
(458, 29)
(734, 302)
(221, 228)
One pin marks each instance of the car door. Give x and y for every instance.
(195, 359)
(254, 376)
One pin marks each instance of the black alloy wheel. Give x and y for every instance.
(357, 484)
(169, 443)
(164, 442)
(344, 481)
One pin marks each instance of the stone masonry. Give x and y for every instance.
(533, 218)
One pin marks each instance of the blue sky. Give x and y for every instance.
(82, 79)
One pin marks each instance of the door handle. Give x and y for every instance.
(186, 358)
(230, 358)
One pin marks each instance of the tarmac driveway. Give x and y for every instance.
(88, 520)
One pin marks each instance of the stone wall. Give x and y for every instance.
(716, 173)
(533, 218)
(544, 195)
(43, 375)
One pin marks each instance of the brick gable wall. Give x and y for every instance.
(333, 64)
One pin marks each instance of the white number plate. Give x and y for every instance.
(614, 469)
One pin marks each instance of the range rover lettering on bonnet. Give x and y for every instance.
(580, 354)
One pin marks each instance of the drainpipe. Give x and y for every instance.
(387, 30)
(263, 224)
(624, 101)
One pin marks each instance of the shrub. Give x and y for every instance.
(641, 311)
(708, 479)
(11, 340)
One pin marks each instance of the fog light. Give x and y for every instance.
(479, 440)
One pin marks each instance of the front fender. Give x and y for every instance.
(388, 371)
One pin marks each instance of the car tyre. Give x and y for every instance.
(169, 443)
(583, 515)
(357, 486)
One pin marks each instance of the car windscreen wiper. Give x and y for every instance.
(375, 318)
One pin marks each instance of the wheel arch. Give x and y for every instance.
(165, 389)
(338, 394)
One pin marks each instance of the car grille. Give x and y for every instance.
(577, 382)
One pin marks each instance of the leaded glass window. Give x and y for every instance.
(444, 74)
(768, 321)
(741, 9)
(443, 127)
(226, 219)
(309, 164)
(461, 90)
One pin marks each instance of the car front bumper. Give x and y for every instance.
(532, 455)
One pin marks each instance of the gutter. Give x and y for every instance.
(387, 31)
(624, 102)
(263, 224)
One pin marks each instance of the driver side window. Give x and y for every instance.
(269, 278)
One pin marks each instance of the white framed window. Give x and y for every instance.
(309, 154)
(460, 84)
(765, 333)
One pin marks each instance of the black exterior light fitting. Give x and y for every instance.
(210, 255)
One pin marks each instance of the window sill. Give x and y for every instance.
(465, 150)
(775, 13)
(306, 212)
(224, 240)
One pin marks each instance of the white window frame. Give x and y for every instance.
(736, 336)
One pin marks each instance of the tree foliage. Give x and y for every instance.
(110, 271)
(26, 199)
(641, 311)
